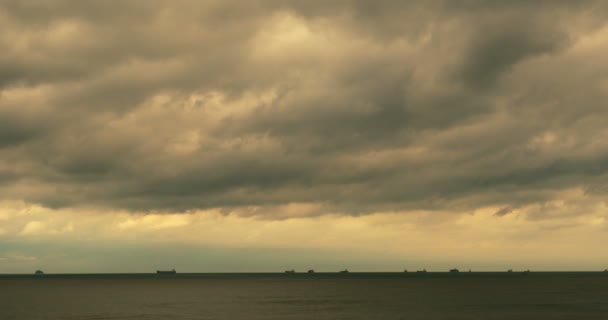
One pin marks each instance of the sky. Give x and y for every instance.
(231, 136)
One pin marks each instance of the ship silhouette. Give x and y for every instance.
(39, 273)
(454, 270)
(344, 271)
(172, 271)
(292, 271)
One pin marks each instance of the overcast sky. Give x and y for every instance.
(266, 135)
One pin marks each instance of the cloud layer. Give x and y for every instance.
(291, 108)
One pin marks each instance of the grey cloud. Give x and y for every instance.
(504, 211)
(352, 106)
(12, 133)
(17, 126)
(493, 54)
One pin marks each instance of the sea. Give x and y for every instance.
(464, 295)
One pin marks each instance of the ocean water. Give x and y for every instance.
(535, 296)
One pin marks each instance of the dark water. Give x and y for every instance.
(302, 296)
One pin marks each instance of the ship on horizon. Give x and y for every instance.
(172, 271)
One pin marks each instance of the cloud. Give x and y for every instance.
(36, 228)
(562, 234)
(503, 211)
(154, 222)
(17, 257)
(285, 109)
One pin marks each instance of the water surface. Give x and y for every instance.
(306, 296)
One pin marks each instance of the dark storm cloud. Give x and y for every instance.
(494, 53)
(354, 105)
(13, 131)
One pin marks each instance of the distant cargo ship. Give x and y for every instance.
(292, 271)
(454, 270)
(172, 271)
(421, 271)
(39, 272)
(311, 271)
(344, 271)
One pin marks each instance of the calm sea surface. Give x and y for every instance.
(535, 296)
